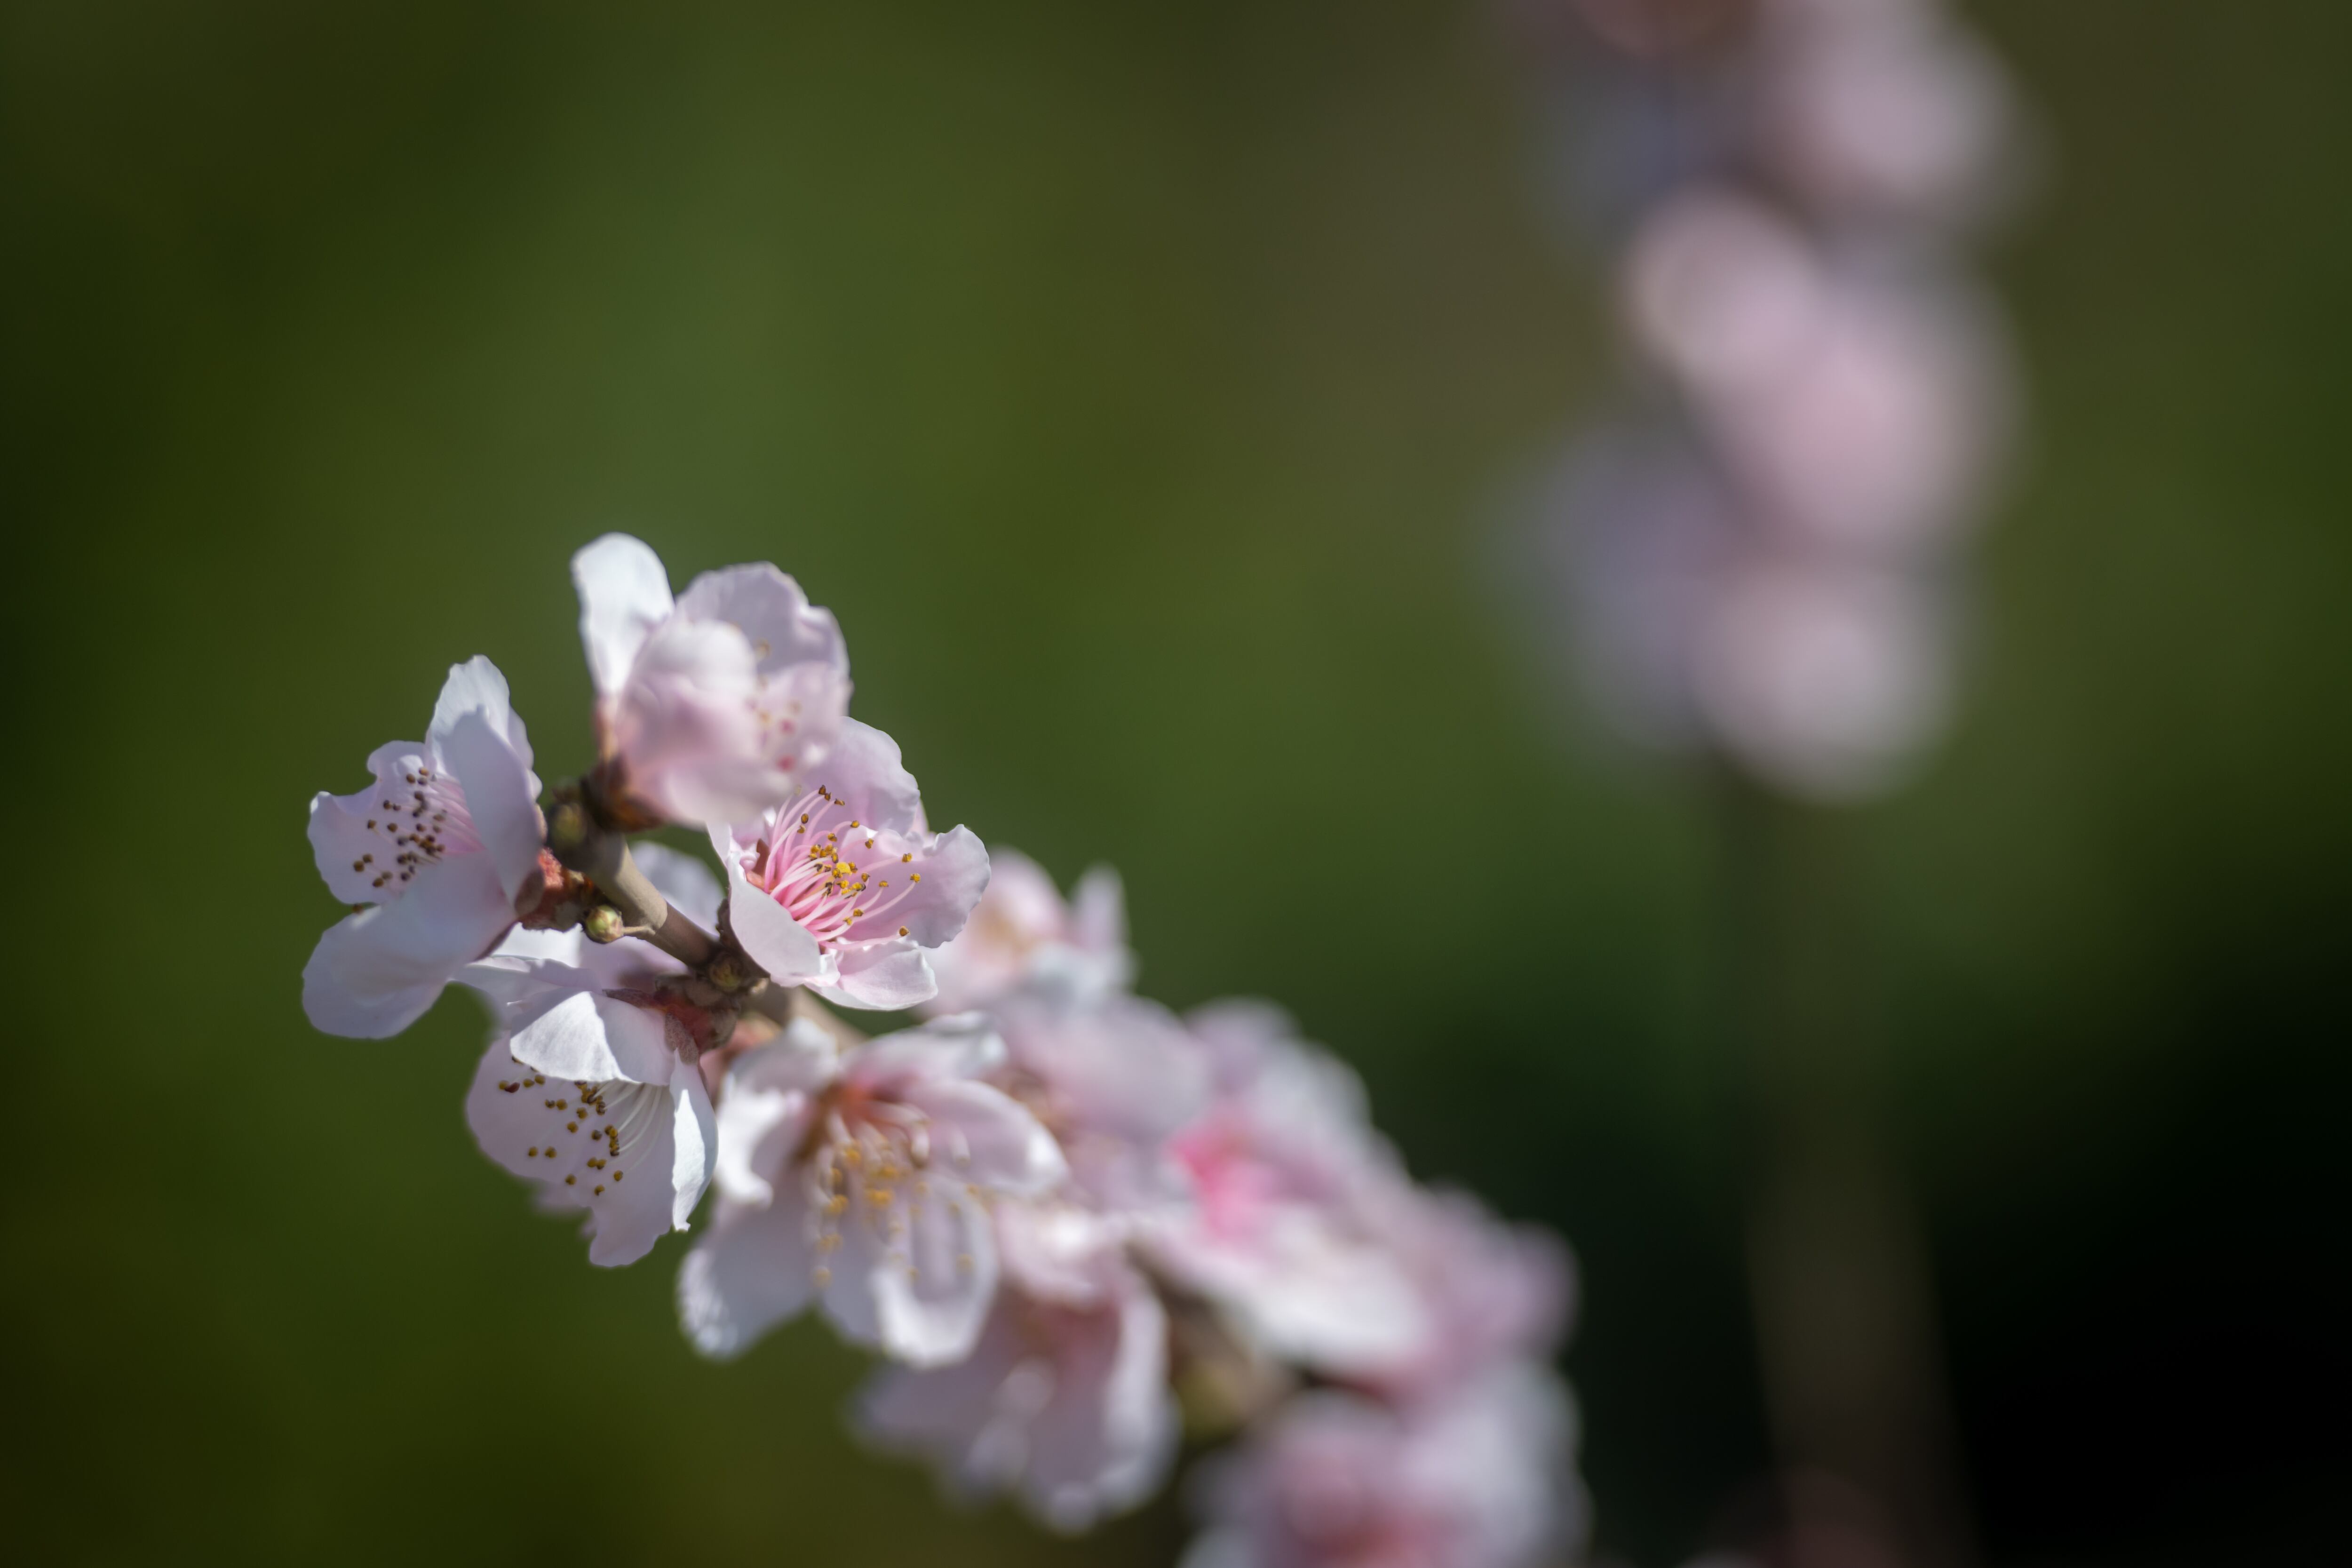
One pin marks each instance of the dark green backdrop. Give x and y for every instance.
(1144, 387)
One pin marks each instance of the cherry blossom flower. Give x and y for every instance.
(1477, 1480)
(1490, 1291)
(1284, 1232)
(593, 1075)
(1023, 932)
(864, 1179)
(843, 887)
(712, 706)
(1064, 1398)
(432, 856)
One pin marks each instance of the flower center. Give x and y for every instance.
(591, 1131)
(832, 873)
(421, 819)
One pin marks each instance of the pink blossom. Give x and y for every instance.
(1490, 1291)
(1064, 1398)
(1115, 1078)
(1480, 1478)
(1282, 1231)
(713, 707)
(843, 887)
(1881, 107)
(864, 1178)
(433, 856)
(1022, 932)
(593, 1077)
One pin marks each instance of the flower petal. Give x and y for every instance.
(768, 1109)
(774, 940)
(375, 973)
(989, 1138)
(755, 1268)
(502, 796)
(624, 594)
(962, 1047)
(864, 772)
(694, 1137)
(931, 1301)
(593, 1039)
(477, 687)
(887, 978)
(785, 630)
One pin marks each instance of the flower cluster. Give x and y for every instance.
(1761, 540)
(1073, 1224)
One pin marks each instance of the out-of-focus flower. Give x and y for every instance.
(1490, 1291)
(1065, 1399)
(1283, 1232)
(1881, 108)
(1480, 1478)
(1023, 932)
(843, 887)
(593, 1075)
(710, 708)
(1827, 676)
(864, 1178)
(1115, 1078)
(434, 855)
(1762, 544)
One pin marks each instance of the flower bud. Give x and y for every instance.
(730, 971)
(567, 826)
(603, 924)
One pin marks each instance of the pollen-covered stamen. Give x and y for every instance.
(832, 873)
(420, 816)
(587, 1133)
(868, 1167)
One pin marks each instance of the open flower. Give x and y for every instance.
(1065, 1399)
(1478, 1480)
(864, 1178)
(433, 856)
(710, 707)
(593, 1078)
(843, 887)
(1024, 933)
(1284, 1231)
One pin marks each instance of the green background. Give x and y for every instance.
(1145, 389)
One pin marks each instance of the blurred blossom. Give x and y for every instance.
(1478, 1478)
(1759, 543)
(1024, 932)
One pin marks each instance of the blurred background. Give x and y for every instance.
(1146, 389)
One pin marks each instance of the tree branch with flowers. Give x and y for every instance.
(1070, 1222)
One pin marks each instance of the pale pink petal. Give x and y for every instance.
(769, 1108)
(501, 797)
(694, 1139)
(982, 1135)
(959, 1048)
(886, 979)
(864, 772)
(930, 1300)
(755, 1269)
(785, 630)
(593, 1039)
(771, 937)
(624, 594)
(375, 972)
(1108, 1436)
(477, 687)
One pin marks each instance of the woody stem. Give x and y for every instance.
(602, 856)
